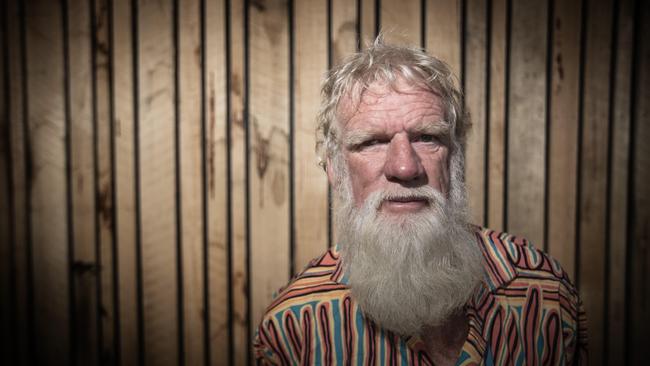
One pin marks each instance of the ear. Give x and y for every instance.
(330, 172)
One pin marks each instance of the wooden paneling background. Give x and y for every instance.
(158, 180)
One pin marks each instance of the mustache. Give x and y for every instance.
(424, 193)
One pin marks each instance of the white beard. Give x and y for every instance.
(408, 271)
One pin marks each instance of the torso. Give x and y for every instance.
(526, 312)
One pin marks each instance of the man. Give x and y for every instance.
(410, 282)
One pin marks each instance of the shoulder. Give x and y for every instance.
(530, 281)
(516, 268)
(509, 257)
(318, 281)
(293, 311)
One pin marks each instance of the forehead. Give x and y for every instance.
(381, 105)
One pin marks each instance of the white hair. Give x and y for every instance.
(386, 63)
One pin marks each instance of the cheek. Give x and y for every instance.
(438, 172)
(365, 173)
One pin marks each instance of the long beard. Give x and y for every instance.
(408, 271)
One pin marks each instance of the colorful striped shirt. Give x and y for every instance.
(526, 311)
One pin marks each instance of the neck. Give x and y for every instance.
(444, 342)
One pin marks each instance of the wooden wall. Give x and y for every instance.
(158, 180)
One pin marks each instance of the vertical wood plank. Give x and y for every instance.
(156, 142)
(85, 270)
(401, 22)
(190, 170)
(593, 171)
(239, 205)
(18, 154)
(310, 60)
(238, 183)
(497, 116)
(368, 26)
(344, 30)
(639, 316)
(526, 137)
(216, 161)
(443, 36)
(476, 80)
(619, 180)
(269, 161)
(48, 182)
(563, 133)
(5, 196)
(125, 197)
(104, 178)
(269, 152)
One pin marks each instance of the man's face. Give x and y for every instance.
(396, 207)
(394, 139)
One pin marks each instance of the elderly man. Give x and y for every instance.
(410, 281)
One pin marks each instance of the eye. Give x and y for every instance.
(426, 138)
(370, 143)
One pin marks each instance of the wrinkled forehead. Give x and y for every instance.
(362, 98)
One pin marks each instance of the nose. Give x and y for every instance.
(402, 161)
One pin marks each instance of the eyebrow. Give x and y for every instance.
(439, 128)
(357, 137)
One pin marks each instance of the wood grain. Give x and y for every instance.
(476, 99)
(593, 172)
(220, 169)
(639, 316)
(191, 185)
(310, 185)
(563, 134)
(619, 179)
(268, 122)
(156, 143)
(83, 183)
(104, 178)
(6, 242)
(46, 114)
(216, 160)
(344, 30)
(368, 20)
(125, 201)
(443, 33)
(497, 126)
(18, 152)
(527, 116)
(239, 204)
(401, 22)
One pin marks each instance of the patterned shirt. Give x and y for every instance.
(526, 311)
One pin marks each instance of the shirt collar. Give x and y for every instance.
(500, 252)
(338, 275)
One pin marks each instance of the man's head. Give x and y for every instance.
(387, 64)
(391, 135)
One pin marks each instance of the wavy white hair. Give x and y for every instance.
(387, 63)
